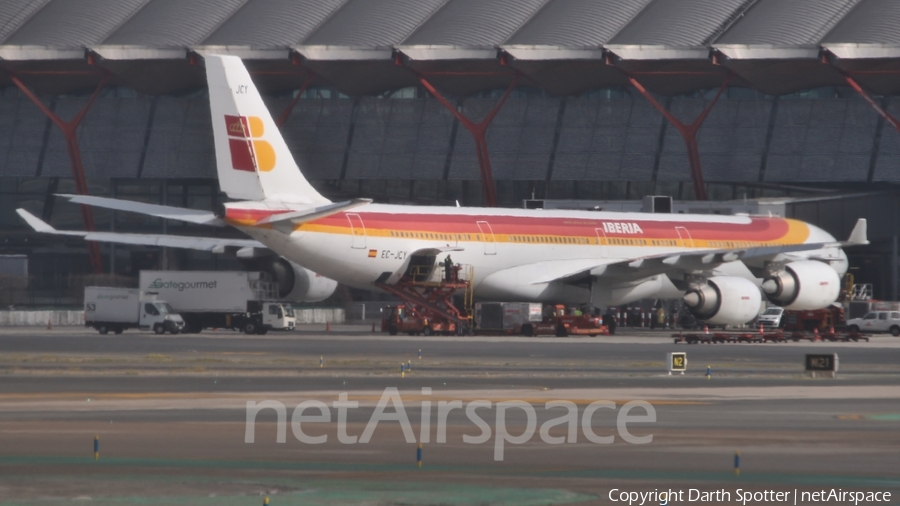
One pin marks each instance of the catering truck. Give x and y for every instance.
(117, 309)
(237, 300)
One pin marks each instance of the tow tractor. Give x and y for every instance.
(826, 324)
(561, 322)
(428, 307)
(403, 318)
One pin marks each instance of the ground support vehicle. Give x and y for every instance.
(831, 335)
(812, 320)
(876, 321)
(728, 337)
(561, 321)
(117, 309)
(771, 318)
(506, 318)
(236, 300)
(428, 307)
(776, 336)
(401, 318)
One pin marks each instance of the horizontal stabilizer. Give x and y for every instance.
(38, 224)
(215, 244)
(168, 212)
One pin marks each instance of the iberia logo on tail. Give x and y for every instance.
(248, 151)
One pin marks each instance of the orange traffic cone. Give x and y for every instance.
(760, 329)
(816, 334)
(327, 326)
(706, 329)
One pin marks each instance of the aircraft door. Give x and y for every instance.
(490, 245)
(685, 236)
(603, 242)
(357, 230)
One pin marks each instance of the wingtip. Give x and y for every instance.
(859, 235)
(34, 222)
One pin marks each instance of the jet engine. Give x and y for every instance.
(299, 284)
(724, 300)
(803, 285)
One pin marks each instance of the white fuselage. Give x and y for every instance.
(505, 247)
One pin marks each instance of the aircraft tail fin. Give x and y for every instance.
(252, 159)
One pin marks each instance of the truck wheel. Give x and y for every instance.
(527, 330)
(854, 328)
(895, 331)
(118, 330)
(561, 331)
(392, 330)
(103, 328)
(428, 331)
(159, 329)
(250, 327)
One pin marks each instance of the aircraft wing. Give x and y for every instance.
(172, 241)
(168, 212)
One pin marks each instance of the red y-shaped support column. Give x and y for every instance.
(478, 131)
(70, 131)
(689, 132)
(859, 89)
(875, 105)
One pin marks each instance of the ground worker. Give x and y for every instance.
(448, 269)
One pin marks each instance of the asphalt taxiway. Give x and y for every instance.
(170, 412)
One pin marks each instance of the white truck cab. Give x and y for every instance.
(160, 317)
(278, 315)
(877, 321)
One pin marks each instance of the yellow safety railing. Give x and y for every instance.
(468, 274)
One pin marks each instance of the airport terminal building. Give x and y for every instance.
(436, 101)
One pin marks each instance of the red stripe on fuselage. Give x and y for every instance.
(758, 229)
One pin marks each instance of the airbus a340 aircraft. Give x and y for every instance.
(718, 264)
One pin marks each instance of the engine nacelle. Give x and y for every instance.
(299, 284)
(724, 300)
(803, 285)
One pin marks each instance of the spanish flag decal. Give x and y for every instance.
(373, 253)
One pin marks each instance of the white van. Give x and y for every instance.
(877, 321)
